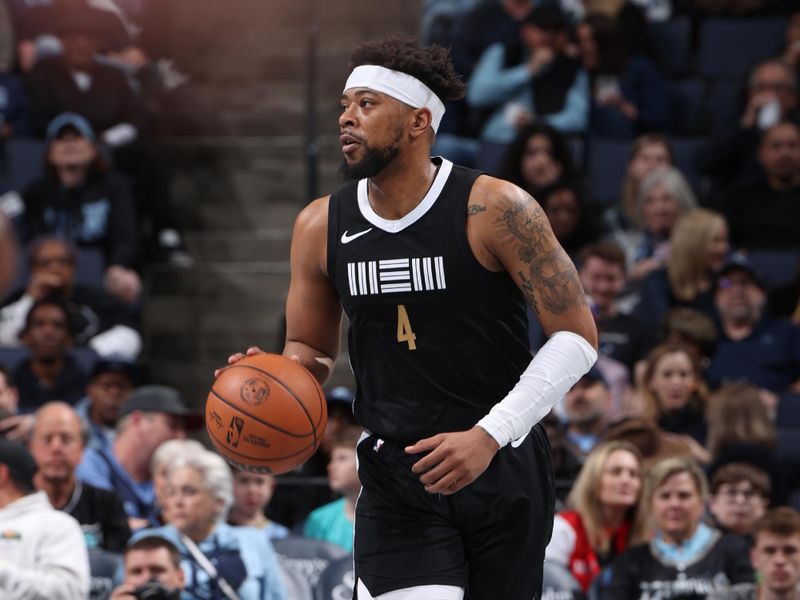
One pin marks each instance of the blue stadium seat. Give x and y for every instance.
(337, 581)
(776, 268)
(724, 99)
(685, 153)
(306, 557)
(729, 46)
(789, 411)
(607, 159)
(788, 445)
(90, 268)
(687, 107)
(25, 161)
(490, 157)
(672, 43)
(86, 358)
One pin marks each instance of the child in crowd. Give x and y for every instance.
(251, 495)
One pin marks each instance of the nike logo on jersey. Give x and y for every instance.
(346, 239)
(371, 277)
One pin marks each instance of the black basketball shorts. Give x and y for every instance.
(488, 538)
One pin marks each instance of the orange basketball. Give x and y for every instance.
(266, 414)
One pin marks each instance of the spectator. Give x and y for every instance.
(649, 152)
(9, 398)
(75, 81)
(674, 393)
(81, 200)
(739, 497)
(97, 319)
(165, 455)
(605, 514)
(791, 52)
(540, 83)
(771, 96)
(200, 492)
(695, 330)
(8, 254)
(43, 556)
(333, 522)
(629, 95)
(740, 430)
(13, 104)
(109, 388)
(686, 558)
(149, 560)
(775, 556)
(752, 347)
(57, 443)
(50, 373)
(664, 196)
(537, 159)
(653, 443)
(151, 416)
(566, 464)
(574, 222)
(251, 495)
(601, 267)
(698, 249)
(586, 406)
(765, 214)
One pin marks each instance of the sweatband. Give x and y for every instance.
(559, 364)
(400, 86)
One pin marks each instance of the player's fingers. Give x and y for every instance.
(252, 350)
(235, 358)
(446, 485)
(426, 444)
(436, 473)
(296, 358)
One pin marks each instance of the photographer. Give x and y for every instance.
(152, 571)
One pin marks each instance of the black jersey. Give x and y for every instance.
(435, 338)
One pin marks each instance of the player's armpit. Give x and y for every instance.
(313, 310)
(521, 238)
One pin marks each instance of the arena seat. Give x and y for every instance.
(86, 358)
(687, 114)
(103, 567)
(607, 159)
(306, 558)
(490, 157)
(672, 44)
(685, 152)
(25, 160)
(788, 415)
(776, 268)
(337, 581)
(729, 46)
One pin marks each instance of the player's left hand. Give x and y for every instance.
(454, 460)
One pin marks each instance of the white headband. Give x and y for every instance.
(399, 86)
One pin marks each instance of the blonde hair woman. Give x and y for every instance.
(685, 558)
(605, 515)
(698, 249)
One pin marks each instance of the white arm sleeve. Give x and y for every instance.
(558, 365)
(12, 321)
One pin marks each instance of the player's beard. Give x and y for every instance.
(375, 160)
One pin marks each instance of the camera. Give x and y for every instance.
(153, 590)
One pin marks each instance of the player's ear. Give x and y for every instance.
(421, 122)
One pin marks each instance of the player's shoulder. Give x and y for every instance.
(314, 217)
(497, 194)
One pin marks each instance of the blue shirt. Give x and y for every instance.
(330, 523)
(99, 436)
(243, 556)
(101, 469)
(769, 357)
(494, 85)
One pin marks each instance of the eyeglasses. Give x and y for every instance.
(732, 495)
(726, 283)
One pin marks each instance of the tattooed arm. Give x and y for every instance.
(518, 238)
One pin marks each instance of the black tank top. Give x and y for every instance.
(435, 338)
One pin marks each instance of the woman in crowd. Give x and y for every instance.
(216, 557)
(82, 200)
(674, 393)
(698, 249)
(572, 219)
(664, 196)
(251, 495)
(166, 454)
(686, 558)
(649, 152)
(604, 517)
(628, 93)
(538, 158)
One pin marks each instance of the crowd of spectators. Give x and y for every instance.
(677, 457)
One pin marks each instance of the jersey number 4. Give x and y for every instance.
(404, 331)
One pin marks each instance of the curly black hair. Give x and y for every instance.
(430, 65)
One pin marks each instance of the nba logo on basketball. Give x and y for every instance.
(234, 431)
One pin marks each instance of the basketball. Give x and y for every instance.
(266, 414)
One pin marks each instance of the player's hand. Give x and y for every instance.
(43, 283)
(234, 358)
(454, 460)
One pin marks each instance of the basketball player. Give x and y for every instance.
(433, 263)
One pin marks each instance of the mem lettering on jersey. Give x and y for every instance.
(396, 275)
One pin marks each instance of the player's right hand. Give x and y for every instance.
(234, 358)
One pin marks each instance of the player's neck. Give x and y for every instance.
(401, 186)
